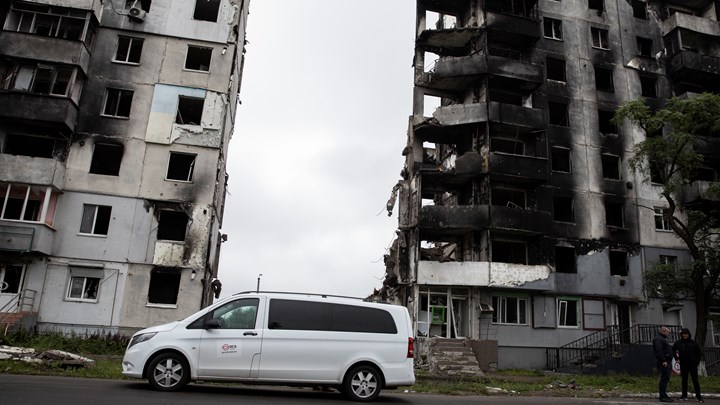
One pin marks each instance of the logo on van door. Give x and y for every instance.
(228, 349)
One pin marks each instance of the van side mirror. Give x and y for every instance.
(212, 324)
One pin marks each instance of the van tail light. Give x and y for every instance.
(411, 349)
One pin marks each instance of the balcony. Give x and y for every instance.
(54, 112)
(694, 68)
(20, 45)
(460, 219)
(516, 74)
(696, 192)
(519, 221)
(449, 121)
(447, 42)
(691, 23)
(518, 168)
(32, 170)
(515, 118)
(26, 237)
(486, 274)
(513, 30)
(454, 73)
(697, 5)
(450, 7)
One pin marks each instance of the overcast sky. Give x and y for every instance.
(326, 95)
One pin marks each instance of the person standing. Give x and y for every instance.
(663, 358)
(688, 353)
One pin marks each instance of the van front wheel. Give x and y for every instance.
(168, 372)
(362, 383)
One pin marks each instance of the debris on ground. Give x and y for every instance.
(55, 357)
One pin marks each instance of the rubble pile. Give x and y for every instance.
(54, 357)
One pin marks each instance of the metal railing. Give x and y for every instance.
(601, 344)
(711, 356)
(22, 302)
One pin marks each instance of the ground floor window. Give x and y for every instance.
(567, 312)
(11, 276)
(83, 288)
(443, 312)
(164, 286)
(509, 310)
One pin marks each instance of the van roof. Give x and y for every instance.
(307, 294)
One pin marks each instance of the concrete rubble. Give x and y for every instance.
(55, 357)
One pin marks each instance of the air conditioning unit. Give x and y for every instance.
(137, 13)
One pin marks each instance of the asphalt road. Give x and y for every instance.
(43, 390)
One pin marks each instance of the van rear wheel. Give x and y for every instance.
(362, 383)
(168, 372)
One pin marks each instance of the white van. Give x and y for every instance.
(355, 346)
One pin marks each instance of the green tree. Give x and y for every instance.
(680, 139)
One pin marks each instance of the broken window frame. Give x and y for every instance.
(614, 210)
(95, 220)
(557, 70)
(50, 21)
(198, 52)
(572, 269)
(82, 288)
(555, 159)
(565, 306)
(200, 14)
(164, 287)
(662, 224)
(503, 316)
(644, 46)
(505, 144)
(615, 256)
(117, 103)
(106, 159)
(611, 166)
(552, 28)
(35, 205)
(35, 146)
(189, 105)
(558, 114)
(604, 80)
(128, 50)
(40, 78)
(188, 170)
(599, 38)
(514, 198)
(11, 278)
(561, 202)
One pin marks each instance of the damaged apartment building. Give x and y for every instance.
(520, 221)
(115, 121)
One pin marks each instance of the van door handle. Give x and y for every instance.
(250, 334)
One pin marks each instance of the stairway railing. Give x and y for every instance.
(22, 302)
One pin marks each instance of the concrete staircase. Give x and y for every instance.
(451, 357)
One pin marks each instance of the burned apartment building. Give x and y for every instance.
(115, 119)
(520, 221)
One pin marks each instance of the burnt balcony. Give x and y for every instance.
(460, 219)
(693, 23)
(696, 5)
(515, 74)
(515, 118)
(26, 237)
(32, 170)
(692, 67)
(512, 168)
(515, 30)
(486, 274)
(20, 45)
(447, 42)
(54, 112)
(449, 122)
(450, 7)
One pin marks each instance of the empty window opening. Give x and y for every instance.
(83, 289)
(560, 159)
(644, 46)
(189, 110)
(206, 10)
(565, 259)
(555, 69)
(614, 215)
(705, 174)
(596, 5)
(172, 225)
(507, 145)
(95, 219)
(198, 58)
(605, 125)
(181, 166)
(558, 114)
(164, 285)
(648, 86)
(552, 28)
(117, 103)
(662, 222)
(509, 252)
(11, 277)
(508, 198)
(129, 50)
(430, 104)
(563, 210)
(639, 9)
(656, 173)
(610, 166)
(604, 79)
(568, 313)
(106, 159)
(618, 263)
(28, 145)
(599, 38)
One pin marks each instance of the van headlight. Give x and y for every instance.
(141, 338)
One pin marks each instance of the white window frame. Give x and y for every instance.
(93, 226)
(599, 38)
(84, 295)
(117, 105)
(659, 213)
(562, 321)
(555, 28)
(131, 41)
(500, 305)
(3, 273)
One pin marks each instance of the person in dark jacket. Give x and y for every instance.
(663, 358)
(688, 353)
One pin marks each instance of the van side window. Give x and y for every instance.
(304, 315)
(238, 314)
